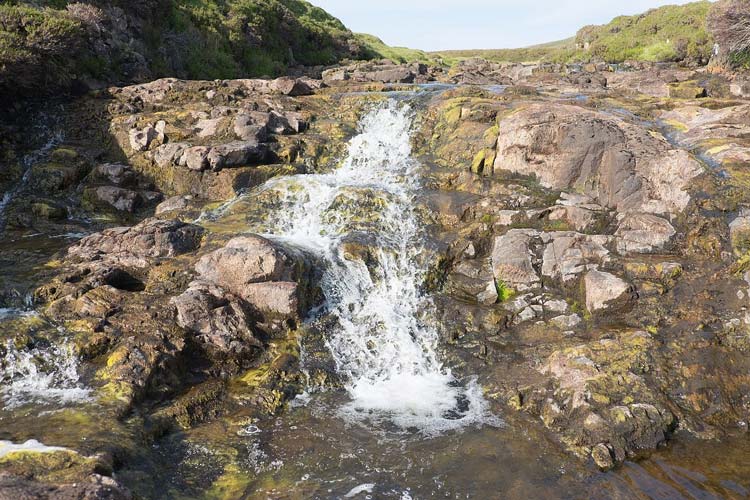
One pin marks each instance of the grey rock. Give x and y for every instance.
(512, 259)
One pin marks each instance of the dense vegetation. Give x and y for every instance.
(729, 22)
(669, 33)
(52, 43)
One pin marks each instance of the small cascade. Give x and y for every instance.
(46, 374)
(383, 341)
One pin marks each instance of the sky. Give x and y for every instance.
(478, 24)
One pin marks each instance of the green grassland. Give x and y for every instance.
(669, 33)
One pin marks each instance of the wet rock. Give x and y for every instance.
(150, 239)
(603, 290)
(643, 233)
(96, 487)
(512, 259)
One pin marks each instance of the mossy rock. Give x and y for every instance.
(53, 467)
(687, 90)
(49, 210)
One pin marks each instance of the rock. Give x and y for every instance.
(740, 88)
(134, 246)
(392, 75)
(618, 164)
(117, 174)
(208, 127)
(687, 90)
(292, 86)
(140, 139)
(642, 233)
(246, 261)
(175, 203)
(121, 199)
(169, 153)
(511, 260)
(251, 125)
(604, 289)
(473, 279)
(49, 210)
(739, 233)
(235, 154)
(195, 158)
(602, 457)
(568, 254)
(273, 298)
(218, 318)
(95, 488)
(566, 322)
(335, 75)
(290, 123)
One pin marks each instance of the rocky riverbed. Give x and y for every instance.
(533, 276)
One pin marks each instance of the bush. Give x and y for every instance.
(729, 22)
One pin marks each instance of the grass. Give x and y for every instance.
(669, 33)
(377, 49)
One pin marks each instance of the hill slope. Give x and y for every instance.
(53, 43)
(669, 33)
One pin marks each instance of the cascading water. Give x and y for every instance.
(46, 374)
(42, 375)
(383, 343)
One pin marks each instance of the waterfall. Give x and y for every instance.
(383, 343)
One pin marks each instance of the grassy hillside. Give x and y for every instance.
(527, 54)
(52, 43)
(669, 33)
(377, 49)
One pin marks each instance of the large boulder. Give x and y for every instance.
(272, 279)
(618, 164)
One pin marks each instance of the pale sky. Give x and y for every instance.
(478, 24)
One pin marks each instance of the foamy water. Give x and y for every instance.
(384, 344)
(46, 375)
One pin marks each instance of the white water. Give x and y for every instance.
(383, 344)
(30, 446)
(40, 375)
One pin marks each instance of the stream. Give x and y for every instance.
(404, 425)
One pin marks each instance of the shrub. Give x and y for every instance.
(729, 22)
